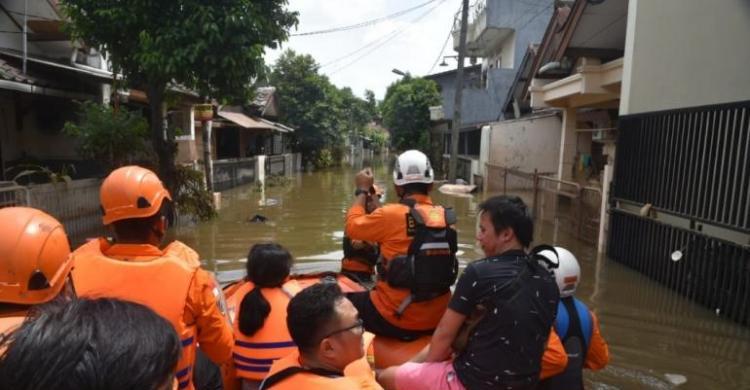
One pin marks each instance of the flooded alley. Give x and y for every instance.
(657, 339)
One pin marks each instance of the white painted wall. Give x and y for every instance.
(685, 53)
(526, 144)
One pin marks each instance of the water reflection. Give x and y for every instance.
(657, 338)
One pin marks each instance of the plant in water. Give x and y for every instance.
(191, 197)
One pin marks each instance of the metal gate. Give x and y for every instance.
(682, 186)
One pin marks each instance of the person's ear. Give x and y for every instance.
(506, 235)
(326, 349)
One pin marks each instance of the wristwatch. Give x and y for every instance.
(360, 191)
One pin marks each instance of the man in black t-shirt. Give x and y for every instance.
(511, 301)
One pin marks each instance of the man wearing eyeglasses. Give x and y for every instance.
(330, 341)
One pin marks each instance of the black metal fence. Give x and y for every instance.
(694, 162)
(711, 272)
(688, 171)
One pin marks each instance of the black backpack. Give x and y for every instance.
(430, 267)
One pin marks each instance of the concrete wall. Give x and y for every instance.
(528, 18)
(479, 105)
(526, 144)
(684, 53)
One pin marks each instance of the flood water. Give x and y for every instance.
(657, 339)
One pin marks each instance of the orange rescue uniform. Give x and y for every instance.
(555, 359)
(597, 356)
(387, 226)
(357, 375)
(168, 281)
(253, 355)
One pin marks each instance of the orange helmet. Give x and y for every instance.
(131, 192)
(34, 256)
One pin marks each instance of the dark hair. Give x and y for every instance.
(268, 265)
(90, 345)
(510, 212)
(310, 312)
(416, 188)
(140, 229)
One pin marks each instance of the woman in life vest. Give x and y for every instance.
(35, 263)
(258, 312)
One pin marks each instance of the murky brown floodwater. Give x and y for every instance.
(657, 338)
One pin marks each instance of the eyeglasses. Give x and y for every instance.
(358, 324)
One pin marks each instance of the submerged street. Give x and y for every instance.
(657, 338)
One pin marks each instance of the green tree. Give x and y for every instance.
(214, 47)
(322, 114)
(111, 138)
(372, 103)
(406, 112)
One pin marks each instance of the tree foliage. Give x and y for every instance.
(322, 114)
(406, 113)
(111, 138)
(214, 47)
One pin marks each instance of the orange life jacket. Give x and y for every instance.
(253, 355)
(357, 375)
(161, 284)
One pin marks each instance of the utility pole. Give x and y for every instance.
(453, 163)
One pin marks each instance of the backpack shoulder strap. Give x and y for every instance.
(450, 216)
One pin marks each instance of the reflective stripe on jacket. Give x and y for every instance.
(253, 355)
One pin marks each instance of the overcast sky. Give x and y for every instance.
(413, 50)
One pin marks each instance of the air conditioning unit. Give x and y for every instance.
(437, 113)
(604, 135)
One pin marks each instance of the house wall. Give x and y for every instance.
(683, 53)
(34, 137)
(528, 18)
(526, 144)
(479, 104)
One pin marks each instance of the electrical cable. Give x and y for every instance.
(388, 39)
(364, 23)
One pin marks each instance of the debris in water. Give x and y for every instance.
(257, 218)
(676, 379)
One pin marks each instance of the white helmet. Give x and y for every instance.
(412, 166)
(568, 272)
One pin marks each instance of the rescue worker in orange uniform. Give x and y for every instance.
(360, 256)
(418, 248)
(331, 344)
(258, 312)
(577, 326)
(135, 268)
(35, 263)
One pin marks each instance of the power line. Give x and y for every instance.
(450, 33)
(367, 45)
(364, 23)
(391, 37)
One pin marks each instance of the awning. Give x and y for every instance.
(278, 126)
(245, 121)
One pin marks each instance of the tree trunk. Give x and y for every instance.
(162, 140)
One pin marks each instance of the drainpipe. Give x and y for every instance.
(25, 32)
